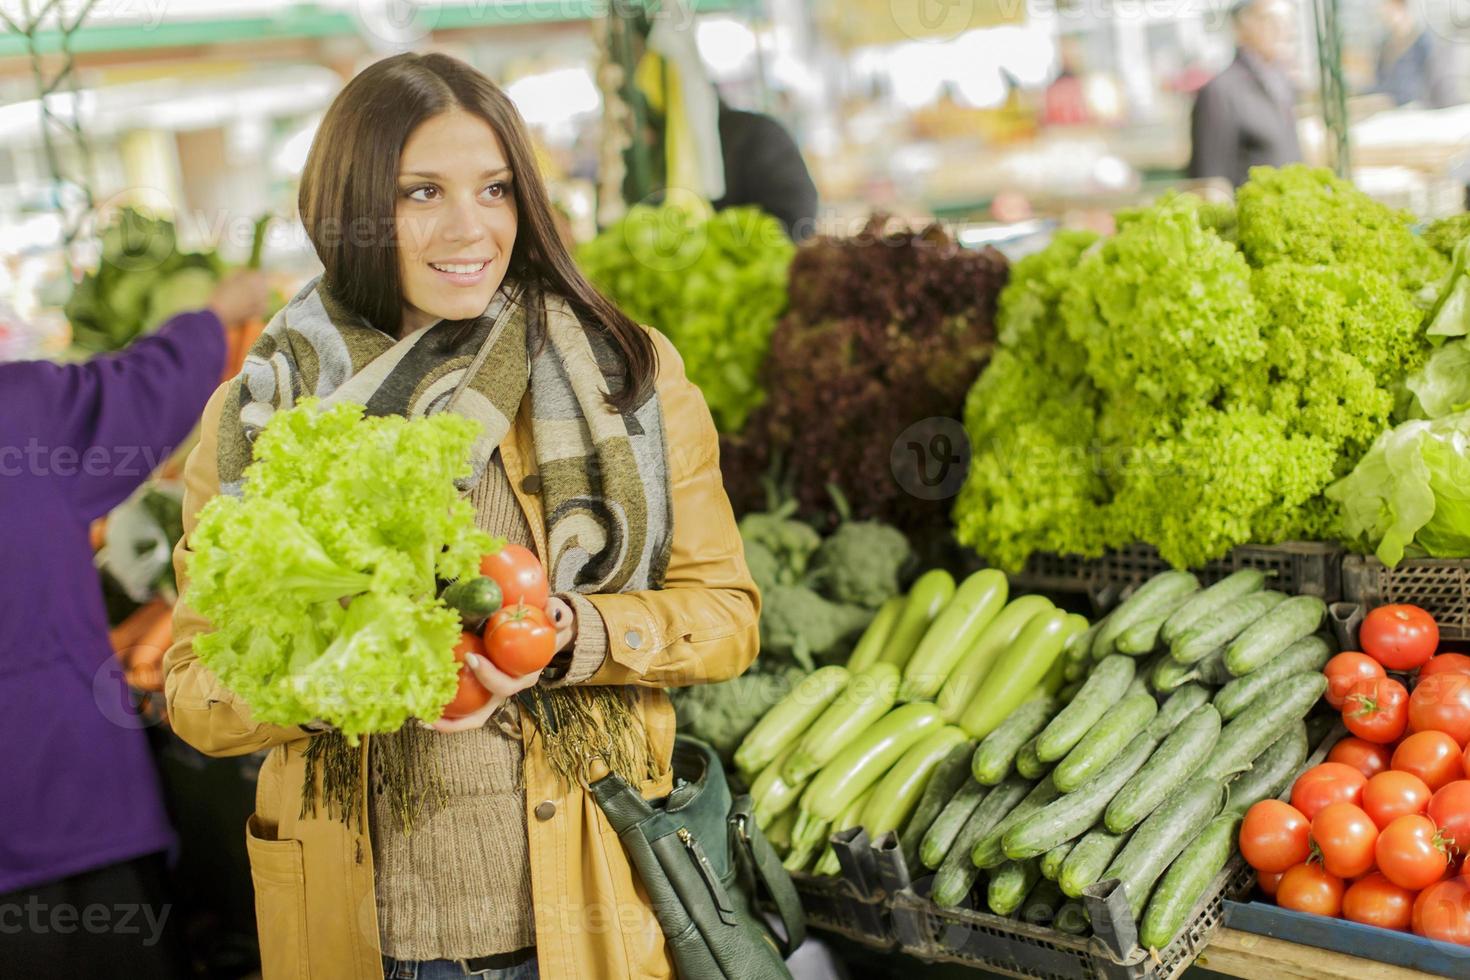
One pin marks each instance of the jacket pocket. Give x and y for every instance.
(277, 871)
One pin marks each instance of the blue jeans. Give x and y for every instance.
(451, 970)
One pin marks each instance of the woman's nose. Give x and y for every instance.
(465, 222)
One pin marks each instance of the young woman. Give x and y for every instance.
(474, 848)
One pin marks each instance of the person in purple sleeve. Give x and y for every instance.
(83, 828)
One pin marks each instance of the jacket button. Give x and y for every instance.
(545, 810)
(532, 483)
(633, 638)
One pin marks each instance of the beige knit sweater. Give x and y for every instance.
(459, 885)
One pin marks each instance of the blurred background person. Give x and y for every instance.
(1246, 116)
(1413, 66)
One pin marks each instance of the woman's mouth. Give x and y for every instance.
(461, 273)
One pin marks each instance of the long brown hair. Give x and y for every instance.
(349, 194)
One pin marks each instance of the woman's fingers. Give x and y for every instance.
(564, 619)
(502, 687)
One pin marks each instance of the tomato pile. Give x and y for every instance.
(1379, 833)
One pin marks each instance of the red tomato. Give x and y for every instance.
(1442, 911)
(1345, 835)
(1411, 853)
(1268, 881)
(1330, 782)
(1346, 671)
(1432, 756)
(1450, 811)
(520, 640)
(1445, 663)
(1466, 760)
(1368, 758)
(471, 696)
(519, 574)
(1441, 703)
(1393, 794)
(1399, 637)
(1274, 836)
(1376, 901)
(1378, 711)
(1309, 888)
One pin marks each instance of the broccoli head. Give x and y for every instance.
(799, 625)
(790, 541)
(860, 563)
(723, 714)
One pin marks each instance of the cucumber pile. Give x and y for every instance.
(1023, 754)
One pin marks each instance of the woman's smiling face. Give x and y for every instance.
(455, 219)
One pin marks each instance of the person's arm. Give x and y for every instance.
(702, 626)
(1439, 80)
(1212, 135)
(201, 710)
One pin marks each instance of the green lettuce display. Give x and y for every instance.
(1198, 379)
(322, 577)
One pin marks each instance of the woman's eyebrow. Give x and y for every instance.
(431, 175)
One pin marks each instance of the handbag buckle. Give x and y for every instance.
(742, 828)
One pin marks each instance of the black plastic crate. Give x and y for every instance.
(1439, 586)
(836, 905)
(1297, 567)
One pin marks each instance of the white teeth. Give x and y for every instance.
(459, 269)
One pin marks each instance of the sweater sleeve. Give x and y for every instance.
(114, 419)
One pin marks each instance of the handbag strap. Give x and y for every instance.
(769, 873)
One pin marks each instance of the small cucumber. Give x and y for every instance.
(1170, 675)
(1143, 636)
(1066, 694)
(975, 666)
(475, 599)
(1307, 654)
(780, 727)
(997, 751)
(1150, 598)
(1027, 764)
(930, 593)
(1180, 754)
(1268, 636)
(1201, 604)
(1051, 861)
(1089, 857)
(870, 645)
(939, 839)
(1102, 690)
(1129, 718)
(957, 873)
(1222, 626)
(1078, 653)
(1186, 880)
(951, 774)
(1070, 815)
(1181, 705)
(1041, 904)
(1160, 838)
(1212, 670)
(867, 697)
(1009, 885)
(1072, 918)
(976, 602)
(1251, 731)
(987, 852)
(1270, 772)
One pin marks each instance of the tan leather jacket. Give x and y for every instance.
(314, 877)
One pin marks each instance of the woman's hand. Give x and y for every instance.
(564, 618)
(502, 688)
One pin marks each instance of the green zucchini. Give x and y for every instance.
(972, 670)
(1268, 636)
(957, 873)
(1180, 754)
(1027, 764)
(949, 776)
(1270, 772)
(976, 602)
(1072, 918)
(987, 852)
(1078, 653)
(1181, 704)
(997, 751)
(1089, 857)
(1102, 690)
(1201, 604)
(1262, 723)
(771, 794)
(779, 832)
(1041, 904)
(897, 793)
(1160, 838)
(1019, 669)
(1051, 861)
(1222, 626)
(864, 760)
(1307, 654)
(868, 696)
(1186, 881)
(930, 593)
(940, 837)
(789, 719)
(1009, 885)
(1068, 816)
(1148, 600)
(870, 645)
(1105, 741)
(475, 599)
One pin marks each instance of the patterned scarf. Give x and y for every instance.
(604, 481)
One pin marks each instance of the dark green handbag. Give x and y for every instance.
(702, 859)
